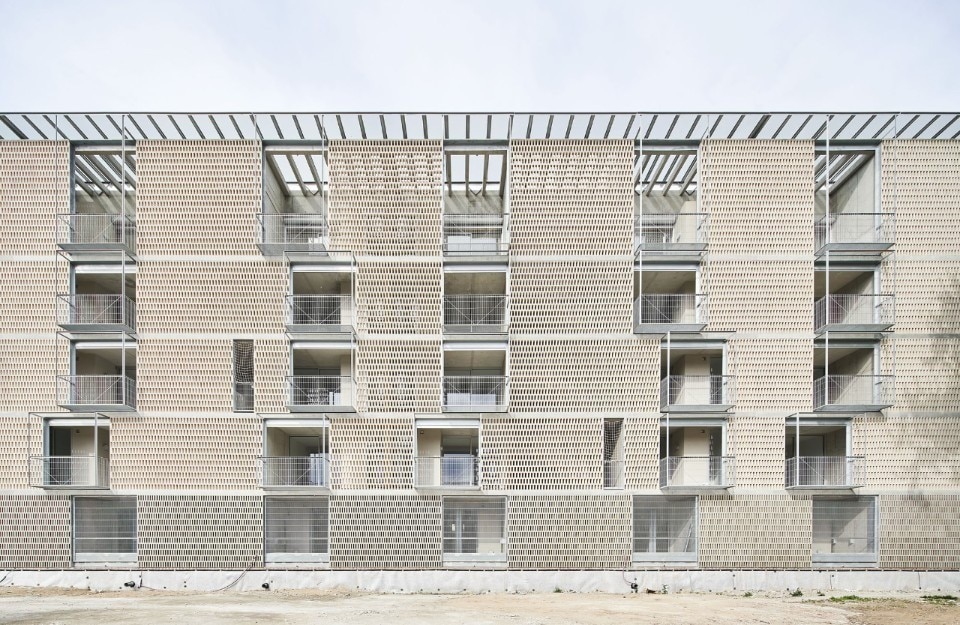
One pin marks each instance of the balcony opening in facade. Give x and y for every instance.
(668, 301)
(103, 199)
(243, 375)
(475, 221)
(448, 454)
(847, 377)
(103, 377)
(104, 530)
(294, 216)
(475, 381)
(664, 529)
(320, 302)
(849, 300)
(844, 530)
(296, 530)
(76, 454)
(99, 302)
(474, 531)
(321, 378)
(613, 453)
(695, 380)
(693, 455)
(847, 209)
(297, 454)
(668, 220)
(818, 456)
(475, 303)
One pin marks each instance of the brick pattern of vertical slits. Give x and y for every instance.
(573, 375)
(385, 197)
(557, 297)
(542, 453)
(571, 197)
(34, 188)
(384, 532)
(22, 436)
(755, 531)
(398, 376)
(920, 183)
(569, 532)
(35, 532)
(399, 297)
(199, 531)
(27, 295)
(182, 296)
(908, 453)
(371, 452)
(189, 453)
(271, 365)
(919, 531)
(198, 197)
(28, 370)
(759, 196)
(772, 375)
(927, 373)
(927, 293)
(641, 451)
(757, 442)
(184, 375)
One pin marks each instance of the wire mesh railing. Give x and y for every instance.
(697, 390)
(674, 231)
(853, 390)
(474, 234)
(698, 471)
(670, 308)
(294, 232)
(319, 310)
(97, 390)
(853, 309)
(837, 471)
(613, 473)
(96, 310)
(475, 391)
(474, 529)
(313, 470)
(320, 390)
(74, 471)
(97, 230)
(475, 313)
(854, 228)
(451, 470)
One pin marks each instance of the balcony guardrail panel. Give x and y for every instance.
(475, 313)
(675, 231)
(697, 390)
(854, 310)
(866, 229)
(306, 232)
(483, 392)
(305, 471)
(825, 471)
(96, 310)
(97, 390)
(670, 309)
(613, 473)
(474, 234)
(853, 390)
(450, 470)
(698, 471)
(334, 391)
(70, 471)
(97, 230)
(319, 310)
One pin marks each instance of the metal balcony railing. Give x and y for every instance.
(97, 390)
(70, 471)
(334, 391)
(96, 230)
(670, 309)
(297, 471)
(451, 470)
(464, 314)
(698, 471)
(852, 391)
(482, 392)
(320, 310)
(94, 310)
(864, 311)
(865, 230)
(613, 473)
(474, 234)
(825, 471)
(677, 231)
(697, 390)
(243, 396)
(293, 232)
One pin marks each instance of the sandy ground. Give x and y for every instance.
(62, 607)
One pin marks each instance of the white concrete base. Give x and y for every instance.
(495, 581)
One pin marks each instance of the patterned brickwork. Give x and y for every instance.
(571, 197)
(908, 453)
(569, 531)
(189, 452)
(372, 452)
(27, 295)
(34, 188)
(28, 370)
(772, 375)
(755, 531)
(919, 531)
(399, 297)
(385, 197)
(35, 532)
(927, 373)
(198, 197)
(398, 376)
(22, 436)
(641, 451)
(271, 366)
(199, 531)
(184, 375)
(927, 295)
(385, 532)
(575, 375)
(757, 442)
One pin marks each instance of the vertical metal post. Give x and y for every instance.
(669, 389)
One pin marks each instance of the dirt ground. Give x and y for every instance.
(62, 607)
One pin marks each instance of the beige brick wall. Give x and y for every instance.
(34, 188)
(399, 297)
(919, 531)
(35, 532)
(398, 375)
(22, 437)
(371, 452)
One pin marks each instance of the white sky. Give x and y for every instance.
(481, 55)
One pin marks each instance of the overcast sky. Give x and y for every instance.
(484, 55)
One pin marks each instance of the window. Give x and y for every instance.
(296, 529)
(243, 376)
(474, 529)
(105, 529)
(613, 453)
(844, 529)
(665, 529)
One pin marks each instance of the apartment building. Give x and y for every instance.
(501, 342)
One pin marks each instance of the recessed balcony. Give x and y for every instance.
(474, 393)
(475, 314)
(671, 232)
(69, 472)
(319, 313)
(468, 236)
(670, 312)
(844, 312)
(697, 472)
(297, 454)
(320, 392)
(301, 232)
(97, 313)
(852, 233)
(853, 393)
(97, 392)
(79, 232)
(697, 393)
(448, 471)
(824, 472)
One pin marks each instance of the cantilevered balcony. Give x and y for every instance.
(474, 393)
(475, 314)
(670, 312)
(320, 392)
(319, 313)
(853, 313)
(852, 233)
(97, 392)
(447, 471)
(672, 232)
(70, 471)
(474, 235)
(697, 393)
(82, 232)
(853, 393)
(300, 232)
(700, 472)
(96, 313)
(297, 471)
(825, 472)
